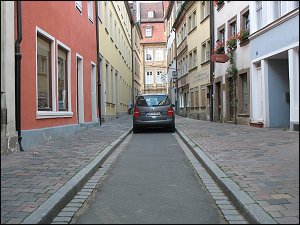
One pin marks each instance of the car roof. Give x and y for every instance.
(152, 94)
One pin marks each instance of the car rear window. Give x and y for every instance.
(152, 100)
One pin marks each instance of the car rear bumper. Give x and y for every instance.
(154, 123)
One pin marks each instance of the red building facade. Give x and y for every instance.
(58, 68)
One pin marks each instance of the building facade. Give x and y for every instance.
(115, 23)
(171, 52)
(151, 16)
(9, 137)
(198, 41)
(274, 66)
(58, 82)
(232, 92)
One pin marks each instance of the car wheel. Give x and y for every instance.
(172, 129)
(135, 130)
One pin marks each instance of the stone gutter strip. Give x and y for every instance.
(45, 213)
(244, 203)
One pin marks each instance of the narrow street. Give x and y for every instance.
(152, 182)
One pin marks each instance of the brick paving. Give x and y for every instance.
(264, 162)
(29, 178)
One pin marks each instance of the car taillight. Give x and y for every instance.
(136, 112)
(170, 111)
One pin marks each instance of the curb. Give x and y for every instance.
(46, 212)
(247, 206)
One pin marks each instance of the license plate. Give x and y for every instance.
(153, 114)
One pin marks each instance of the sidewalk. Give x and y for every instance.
(33, 179)
(263, 162)
(257, 167)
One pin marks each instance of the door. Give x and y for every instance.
(80, 98)
(93, 93)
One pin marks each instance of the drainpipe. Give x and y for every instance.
(177, 94)
(212, 68)
(18, 57)
(98, 63)
(132, 70)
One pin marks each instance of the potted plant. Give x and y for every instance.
(218, 3)
(231, 43)
(243, 35)
(219, 47)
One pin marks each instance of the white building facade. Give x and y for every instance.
(274, 44)
(231, 18)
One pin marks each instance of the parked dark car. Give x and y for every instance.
(153, 110)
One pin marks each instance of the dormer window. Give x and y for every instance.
(150, 14)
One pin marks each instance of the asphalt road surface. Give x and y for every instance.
(152, 181)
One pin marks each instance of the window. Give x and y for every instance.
(148, 31)
(204, 9)
(111, 25)
(44, 77)
(148, 54)
(259, 14)
(106, 16)
(90, 11)
(159, 55)
(107, 82)
(150, 14)
(221, 35)
(159, 77)
(189, 23)
(192, 21)
(116, 33)
(192, 99)
(99, 3)
(203, 97)
(245, 22)
(78, 5)
(195, 58)
(62, 82)
(196, 97)
(149, 77)
(203, 53)
(232, 29)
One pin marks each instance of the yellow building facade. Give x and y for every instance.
(198, 41)
(115, 23)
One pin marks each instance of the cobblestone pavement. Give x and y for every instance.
(264, 162)
(29, 178)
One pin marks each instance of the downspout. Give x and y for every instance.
(132, 70)
(98, 63)
(212, 33)
(177, 93)
(18, 57)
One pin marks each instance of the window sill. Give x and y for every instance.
(192, 30)
(243, 115)
(204, 63)
(244, 42)
(111, 39)
(192, 69)
(219, 7)
(106, 30)
(51, 114)
(202, 21)
(91, 20)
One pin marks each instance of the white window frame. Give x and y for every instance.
(68, 50)
(259, 16)
(149, 78)
(78, 5)
(148, 31)
(159, 74)
(54, 113)
(150, 52)
(99, 4)
(150, 14)
(90, 11)
(161, 56)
